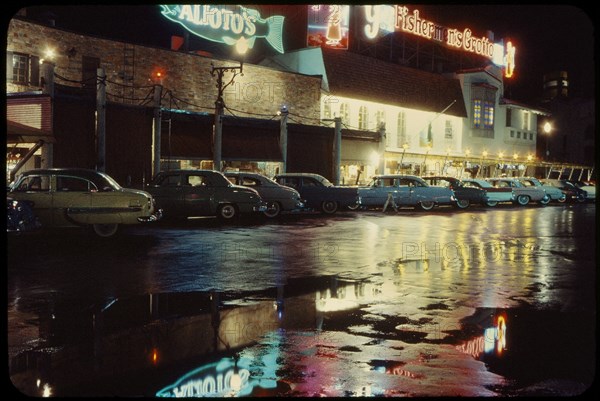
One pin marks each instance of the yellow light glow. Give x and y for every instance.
(485, 153)
(529, 158)
(516, 156)
(242, 45)
(501, 155)
(49, 53)
(547, 127)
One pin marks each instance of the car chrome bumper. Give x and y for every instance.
(157, 215)
(260, 208)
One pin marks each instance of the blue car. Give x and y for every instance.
(404, 190)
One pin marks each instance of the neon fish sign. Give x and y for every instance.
(232, 25)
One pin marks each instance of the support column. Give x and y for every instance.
(337, 150)
(100, 120)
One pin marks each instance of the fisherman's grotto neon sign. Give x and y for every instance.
(233, 25)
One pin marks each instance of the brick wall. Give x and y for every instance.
(187, 82)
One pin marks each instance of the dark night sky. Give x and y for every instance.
(548, 37)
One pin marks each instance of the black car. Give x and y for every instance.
(318, 192)
(465, 196)
(573, 192)
(20, 216)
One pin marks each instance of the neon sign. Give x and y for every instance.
(509, 60)
(232, 25)
(400, 18)
(328, 26)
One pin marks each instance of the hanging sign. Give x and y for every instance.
(328, 26)
(230, 24)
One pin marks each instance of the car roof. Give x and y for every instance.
(188, 170)
(397, 176)
(314, 175)
(92, 175)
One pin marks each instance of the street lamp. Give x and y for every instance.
(547, 129)
(220, 105)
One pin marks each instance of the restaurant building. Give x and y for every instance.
(436, 115)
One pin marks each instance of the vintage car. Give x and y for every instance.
(318, 192)
(555, 194)
(523, 194)
(495, 195)
(465, 196)
(279, 198)
(572, 192)
(588, 186)
(404, 190)
(197, 193)
(72, 197)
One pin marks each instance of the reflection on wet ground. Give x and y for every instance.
(317, 336)
(471, 303)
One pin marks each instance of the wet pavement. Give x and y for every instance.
(481, 302)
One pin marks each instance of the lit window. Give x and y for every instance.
(477, 113)
(327, 109)
(20, 69)
(401, 129)
(526, 121)
(379, 118)
(363, 118)
(448, 130)
(488, 115)
(344, 114)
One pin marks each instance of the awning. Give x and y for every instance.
(19, 133)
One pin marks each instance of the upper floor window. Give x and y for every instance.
(363, 118)
(22, 69)
(379, 118)
(448, 130)
(508, 117)
(401, 129)
(526, 121)
(344, 113)
(483, 104)
(327, 109)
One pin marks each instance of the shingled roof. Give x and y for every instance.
(366, 78)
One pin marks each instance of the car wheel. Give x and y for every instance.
(581, 198)
(273, 209)
(329, 207)
(491, 203)
(227, 212)
(463, 203)
(426, 205)
(562, 199)
(523, 200)
(545, 200)
(356, 206)
(105, 230)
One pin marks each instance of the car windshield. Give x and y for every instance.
(324, 181)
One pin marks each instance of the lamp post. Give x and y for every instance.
(404, 147)
(220, 105)
(425, 159)
(547, 129)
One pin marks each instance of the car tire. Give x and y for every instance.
(562, 199)
(545, 200)
(273, 210)
(329, 207)
(523, 200)
(426, 205)
(356, 206)
(227, 212)
(463, 203)
(491, 203)
(105, 230)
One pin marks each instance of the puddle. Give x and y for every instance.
(315, 336)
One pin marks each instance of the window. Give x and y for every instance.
(74, 184)
(488, 115)
(22, 69)
(379, 118)
(363, 118)
(250, 182)
(518, 134)
(512, 133)
(508, 117)
(196, 180)
(531, 136)
(477, 113)
(34, 183)
(483, 104)
(344, 113)
(526, 120)
(309, 182)
(169, 180)
(448, 130)
(401, 129)
(327, 109)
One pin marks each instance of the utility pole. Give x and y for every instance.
(48, 89)
(100, 120)
(283, 137)
(219, 107)
(156, 130)
(381, 130)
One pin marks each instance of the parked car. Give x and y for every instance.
(554, 193)
(465, 196)
(198, 193)
(318, 192)
(572, 192)
(588, 186)
(20, 216)
(72, 197)
(279, 198)
(495, 195)
(405, 190)
(523, 194)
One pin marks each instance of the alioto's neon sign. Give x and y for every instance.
(390, 18)
(232, 25)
